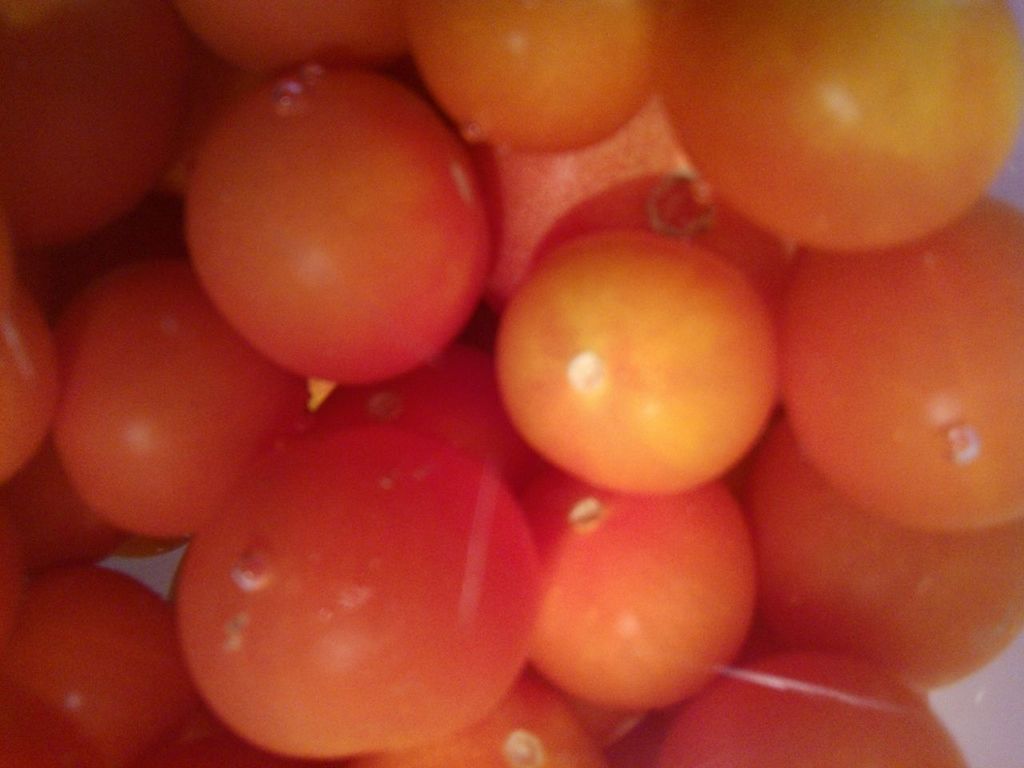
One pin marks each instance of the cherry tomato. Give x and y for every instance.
(550, 74)
(834, 577)
(857, 126)
(335, 221)
(636, 362)
(100, 648)
(808, 709)
(163, 403)
(644, 597)
(55, 526)
(91, 94)
(364, 590)
(901, 372)
(35, 735)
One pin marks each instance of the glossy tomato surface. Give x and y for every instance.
(849, 127)
(637, 362)
(901, 372)
(365, 590)
(335, 220)
(808, 709)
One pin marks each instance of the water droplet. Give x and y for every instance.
(289, 96)
(524, 749)
(586, 371)
(473, 132)
(680, 205)
(234, 629)
(586, 514)
(384, 405)
(964, 444)
(251, 571)
(73, 701)
(422, 472)
(387, 482)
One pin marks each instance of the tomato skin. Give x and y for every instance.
(55, 527)
(833, 577)
(90, 98)
(365, 590)
(637, 362)
(852, 127)
(100, 649)
(28, 381)
(364, 238)
(901, 372)
(454, 397)
(162, 402)
(644, 597)
(808, 709)
(490, 62)
(532, 726)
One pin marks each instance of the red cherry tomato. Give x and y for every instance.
(101, 649)
(902, 371)
(91, 94)
(364, 590)
(644, 597)
(831, 576)
(335, 221)
(163, 403)
(808, 709)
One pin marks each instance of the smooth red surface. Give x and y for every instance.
(365, 590)
(901, 372)
(100, 648)
(644, 597)
(163, 403)
(335, 221)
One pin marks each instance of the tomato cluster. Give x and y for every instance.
(535, 383)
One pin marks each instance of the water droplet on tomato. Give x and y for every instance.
(964, 444)
(289, 96)
(680, 206)
(524, 749)
(586, 371)
(586, 514)
(251, 572)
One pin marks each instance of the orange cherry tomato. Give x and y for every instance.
(637, 362)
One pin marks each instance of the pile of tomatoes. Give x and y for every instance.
(536, 383)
